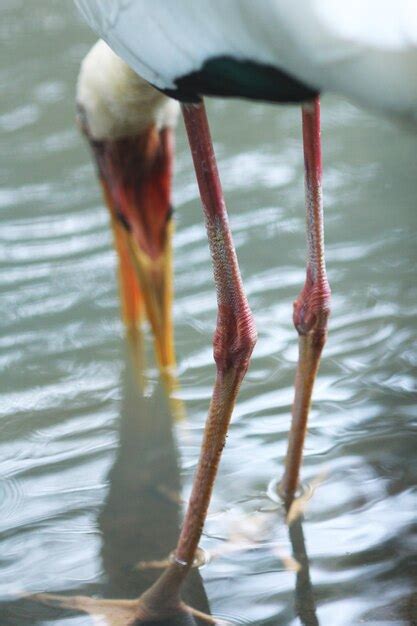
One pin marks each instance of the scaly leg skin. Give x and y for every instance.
(234, 339)
(235, 334)
(312, 307)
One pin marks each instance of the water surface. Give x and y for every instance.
(92, 472)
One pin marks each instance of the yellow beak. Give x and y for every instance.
(135, 173)
(155, 279)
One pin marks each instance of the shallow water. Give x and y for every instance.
(91, 471)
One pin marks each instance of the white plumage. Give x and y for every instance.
(363, 49)
(116, 101)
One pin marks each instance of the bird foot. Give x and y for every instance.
(123, 612)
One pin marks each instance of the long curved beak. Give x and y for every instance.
(136, 174)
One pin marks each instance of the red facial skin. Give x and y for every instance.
(136, 173)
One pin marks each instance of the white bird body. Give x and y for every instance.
(363, 49)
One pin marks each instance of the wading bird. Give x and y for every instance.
(274, 51)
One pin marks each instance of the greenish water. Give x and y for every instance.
(89, 467)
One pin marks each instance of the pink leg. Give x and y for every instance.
(235, 334)
(312, 307)
(234, 339)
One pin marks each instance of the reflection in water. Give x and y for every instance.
(305, 605)
(141, 515)
(136, 347)
(59, 347)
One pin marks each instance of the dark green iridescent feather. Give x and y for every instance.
(228, 77)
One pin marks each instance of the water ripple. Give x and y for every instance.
(83, 456)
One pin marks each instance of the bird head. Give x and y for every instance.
(129, 126)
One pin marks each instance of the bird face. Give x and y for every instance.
(135, 173)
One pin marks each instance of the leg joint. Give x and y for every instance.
(234, 339)
(312, 308)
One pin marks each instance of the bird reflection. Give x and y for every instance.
(305, 605)
(141, 516)
(139, 520)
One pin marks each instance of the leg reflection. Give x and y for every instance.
(305, 605)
